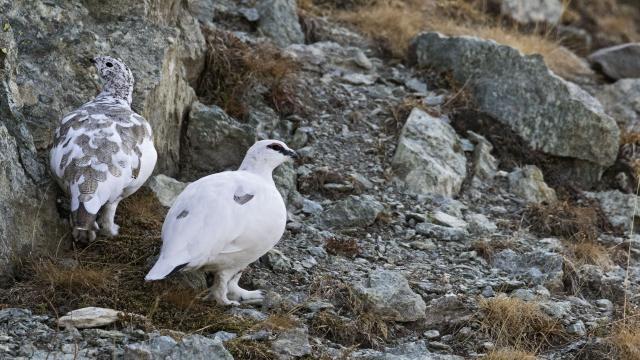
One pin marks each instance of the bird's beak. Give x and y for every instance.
(92, 60)
(294, 155)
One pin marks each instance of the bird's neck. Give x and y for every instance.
(254, 165)
(117, 91)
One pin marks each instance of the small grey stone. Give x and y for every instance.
(354, 211)
(604, 305)
(165, 188)
(533, 11)
(429, 156)
(416, 85)
(431, 334)
(225, 336)
(391, 297)
(292, 343)
(618, 62)
(577, 328)
(528, 182)
(277, 261)
(488, 292)
(317, 251)
(311, 207)
(279, 21)
(251, 14)
(443, 233)
(248, 313)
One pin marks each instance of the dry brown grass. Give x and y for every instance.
(233, 68)
(509, 354)
(395, 22)
(352, 323)
(588, 252)
(72, 278)
(340, 246)
(626, 342)
(488, 248)
(512, 322)
(564, 219)
(110, 273)
(578, 224)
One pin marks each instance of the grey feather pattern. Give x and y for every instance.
(242, 199)
(94, 138)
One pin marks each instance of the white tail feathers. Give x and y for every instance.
(161, 270)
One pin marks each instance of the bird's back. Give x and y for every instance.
(100, 150)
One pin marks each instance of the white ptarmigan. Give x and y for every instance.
(223, 222)
(102, 152)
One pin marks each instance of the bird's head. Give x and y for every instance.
(267, 154)
(117, 79)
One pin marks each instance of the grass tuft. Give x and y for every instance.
(233, 69)
(626, 343)
(352, 323)
(512, 322)
(509, 354)
(346, 247)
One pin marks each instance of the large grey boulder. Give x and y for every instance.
(621, 100)
(215, 141)
(279, 21)
(622, 210)
(158, 40)
(429, 157)
(618, 62)
(521, 93)
(390, 296)
(196, 347)
(533, 11)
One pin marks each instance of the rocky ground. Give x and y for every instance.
(462, 201)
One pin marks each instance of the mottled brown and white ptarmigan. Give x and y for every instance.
(223, 222)
(102, 152)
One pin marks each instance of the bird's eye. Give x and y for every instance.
(276, 147)
(109, 64)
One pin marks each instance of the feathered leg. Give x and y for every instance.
(242, 295)
(107, 219)
(218, 292)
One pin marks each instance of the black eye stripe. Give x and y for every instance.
(279, 148)
(109, 64)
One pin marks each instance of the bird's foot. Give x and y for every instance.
(82, 238)
(247, 296)
(220, 300)
(110, 229)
